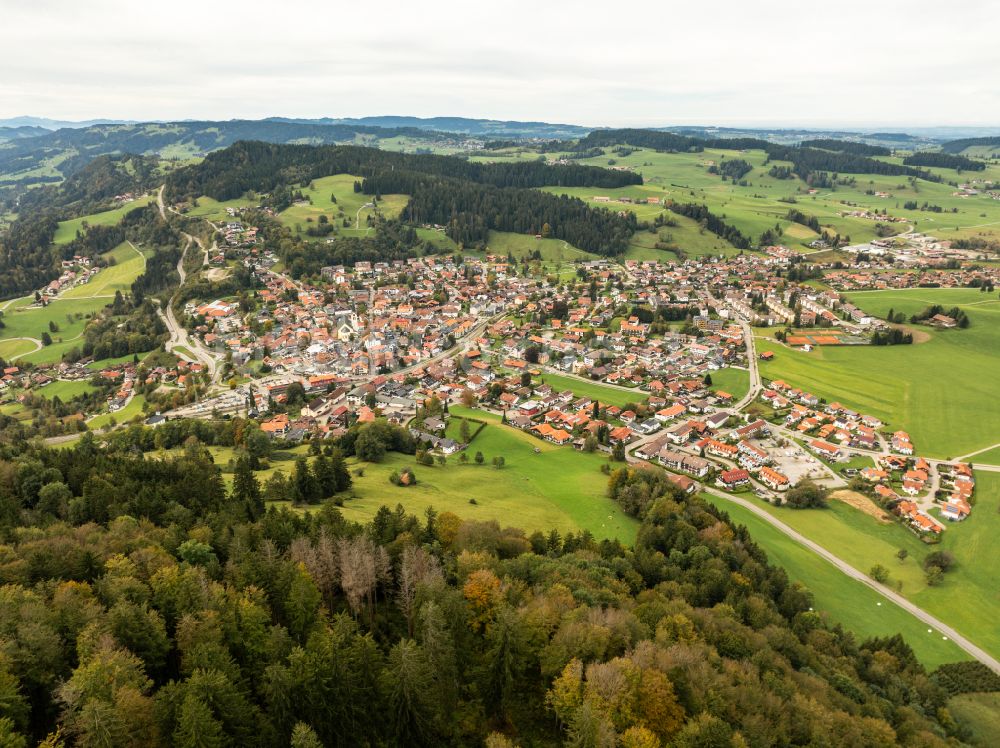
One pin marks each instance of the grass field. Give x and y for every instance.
(980, 712)
(129, 265)
(989, 457)
(554, 488)
(734, 381)
(945, 392)
(65, 391)
(519, 245)
(968, 598)
(845, 600)
(11, 349)
(134, 408)
(350, 205)
(593, 390)
(67, 229)
(215, 210)
(70, 312)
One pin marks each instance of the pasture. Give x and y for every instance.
(842, 599)
(67, 229)
(967, 598)
(349, 204)
(594, 390)
(944, 392)
(553, 488)
(69, 312)
(763, 201)
(128, 265)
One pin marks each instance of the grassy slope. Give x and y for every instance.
(348, 204)
(129, 264)
(557, 487)
(967, 599)
(67, 229)
(944, 392)
(846, 601)
(593, 390)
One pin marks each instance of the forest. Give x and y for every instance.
(944, 161)
(143, 602)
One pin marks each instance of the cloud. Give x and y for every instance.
(593, 63)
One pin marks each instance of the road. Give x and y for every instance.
(752, 366)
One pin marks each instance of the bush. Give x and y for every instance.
(966, 677)
(403, 478)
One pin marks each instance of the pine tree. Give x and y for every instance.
(197, 726)
(246, 489)
(305, 488)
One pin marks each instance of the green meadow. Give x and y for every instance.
(215, 210)
(67, 229)
(844, 600)
(763, 201)
(966, 600)
(594, 390)
(734, 381)
(350, 205)
(69, 312)
(945, 392)
(128, 265)
(555, 487)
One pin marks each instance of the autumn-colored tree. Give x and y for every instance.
(482, 592)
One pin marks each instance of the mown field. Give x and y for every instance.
(967, 599)
(593, 390)
(945, 392)
(67, 229)
(855, 606)
(553, 488)
(350, 205)
(734, 381)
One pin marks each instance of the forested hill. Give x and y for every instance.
(71, 147)
(143, 603)
(806, 160)
(469, 199)
(263, 167)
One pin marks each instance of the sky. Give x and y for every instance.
(874, 63)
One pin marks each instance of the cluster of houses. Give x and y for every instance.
(74, 272)
(833, 427)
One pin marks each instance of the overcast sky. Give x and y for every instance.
(872, 63)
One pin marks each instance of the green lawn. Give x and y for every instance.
(968, 598)
(845, 600)
(555, 488)
(593, 390)
(67, 229)
(945, 392)
(989, 457)
(734, 381)
(128, 265)
(348, 205)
